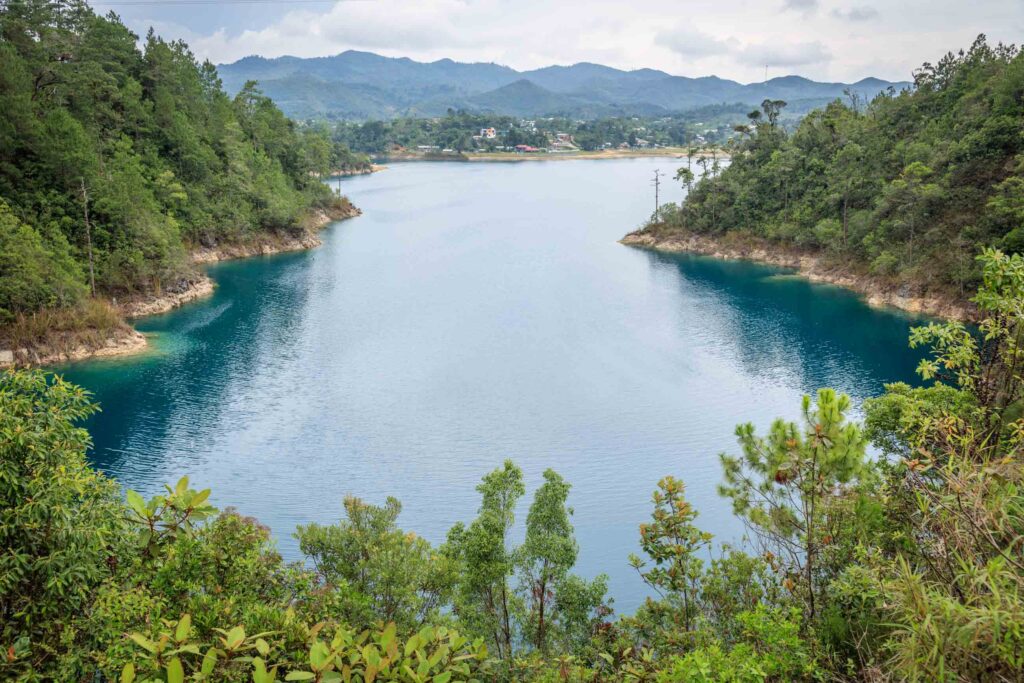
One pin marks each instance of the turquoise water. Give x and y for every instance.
(478, 312)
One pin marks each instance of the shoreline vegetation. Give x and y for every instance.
(99, 329)
(894, 199)
(877, 291)
(123, 163)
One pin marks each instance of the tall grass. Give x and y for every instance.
(90, 323)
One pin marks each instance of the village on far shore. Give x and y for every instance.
(492, 143)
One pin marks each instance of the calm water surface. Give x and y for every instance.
(478, 312)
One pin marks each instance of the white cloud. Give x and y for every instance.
(785, 54)
(692, 42)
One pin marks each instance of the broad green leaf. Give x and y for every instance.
(235, 637)
(175, 672)
(136, 502)
(143, 642)
(184, 628)
(209, 661)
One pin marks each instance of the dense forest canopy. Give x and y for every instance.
(912, 185)
(115, 159)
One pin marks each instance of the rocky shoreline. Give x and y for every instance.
(126, 340)
(345, 173)
(120, 343)
(877, 291)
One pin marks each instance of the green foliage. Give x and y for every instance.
(435, 655)
(59, 519)
(487, 601)
(34, 274)
(911, 186)
(115, 158)
(942, 585)
(428, 655)
(770, 649)
(392, 575)
(560, 608)
(165, 518)
(675, 545)
(547, 555)
(788, 486)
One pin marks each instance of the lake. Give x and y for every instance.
(478, 312)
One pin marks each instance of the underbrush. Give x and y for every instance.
(90, 323)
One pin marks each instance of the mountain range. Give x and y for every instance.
(363, 85)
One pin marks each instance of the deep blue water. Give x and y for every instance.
(478, 312)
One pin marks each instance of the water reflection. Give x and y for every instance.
(784, 328)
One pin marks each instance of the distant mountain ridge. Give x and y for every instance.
(364, 85)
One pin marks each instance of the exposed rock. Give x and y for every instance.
(123, 342)
(190, 290)
(344, 173)
(275, 244)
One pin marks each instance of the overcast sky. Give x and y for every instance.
(843, 40)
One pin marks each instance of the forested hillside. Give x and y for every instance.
(114, 161)
(909, 187)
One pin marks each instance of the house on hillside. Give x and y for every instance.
(488, 133)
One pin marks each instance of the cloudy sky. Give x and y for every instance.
(823, 39)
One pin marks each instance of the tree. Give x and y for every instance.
(486, 599)
(908, 195)
(685, 176)
(847, 176)
(772, 110)
(395, 575)
(991, 369)
(784, 484)
(34, 274)
(546, 556)
(674, 544)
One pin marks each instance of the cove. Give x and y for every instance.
(477, 312)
